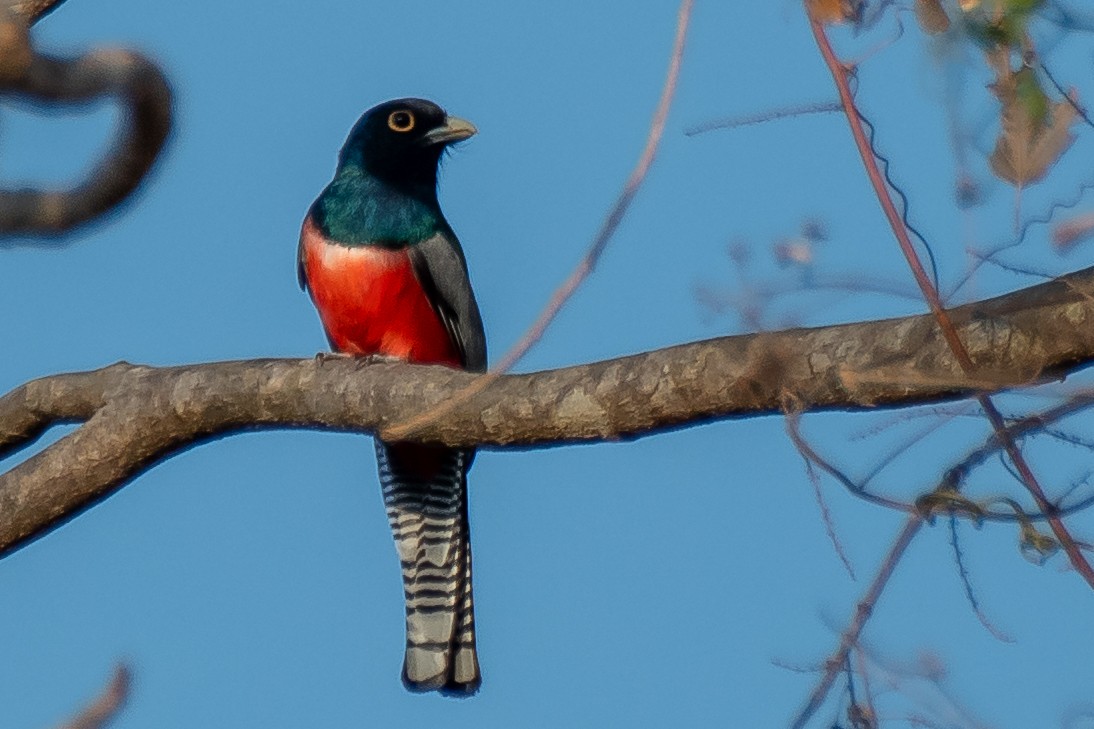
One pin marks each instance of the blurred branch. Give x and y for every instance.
(32, 10)
(103, 709)
(135, 416)
(865, 608)
(1069, 232)
(138, 85)
(732, 122)
(944, 497)
(960, 348)
(882, 188)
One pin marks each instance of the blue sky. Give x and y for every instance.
(670, 581)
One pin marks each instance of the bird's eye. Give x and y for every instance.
(400, 121)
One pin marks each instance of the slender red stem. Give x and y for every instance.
(865, 607)
(585, 267)
(998, 424)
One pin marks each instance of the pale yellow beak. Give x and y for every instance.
(453, 130)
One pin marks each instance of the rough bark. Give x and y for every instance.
(134, 416)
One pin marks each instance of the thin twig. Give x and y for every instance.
(811, 455)
(955, 476)
(106, 706)
(966, 582)
(903, 447)
(949, 331)
(851, 634)
(733, 122)
(793, 427)
(840, 76)
(585, 268)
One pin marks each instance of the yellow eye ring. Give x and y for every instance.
(400, 121)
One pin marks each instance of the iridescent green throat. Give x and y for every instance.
(357, 208)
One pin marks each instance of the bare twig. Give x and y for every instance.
(941, 708)
(944, 496)
(732, 122)
(106, 706)
(948, 487)
(934, 301)
(966, 582)
(857, 488)
(853, 631)
(826, 514)
(958, 347)
(592, 256)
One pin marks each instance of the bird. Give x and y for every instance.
(389, 279)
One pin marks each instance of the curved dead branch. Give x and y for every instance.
(134, 416)
(31, 10)
(104, 709)
(133, 80)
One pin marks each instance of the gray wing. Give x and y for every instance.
(442, 271)
(301, 271)
(301, 274)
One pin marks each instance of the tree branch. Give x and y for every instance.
(104, 709)
(32, 10)
(139, 87)
(134, 416)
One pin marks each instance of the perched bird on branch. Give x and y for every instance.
(389, 279)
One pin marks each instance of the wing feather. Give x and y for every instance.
(439, 264)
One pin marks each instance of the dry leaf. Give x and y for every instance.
(932, 16)
(1034, 132)
(830, 12)
(1070, 232)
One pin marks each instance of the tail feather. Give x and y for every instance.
(425, 492)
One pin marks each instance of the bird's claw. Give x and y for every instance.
(323, 357)
(369, 359)
(360, 359)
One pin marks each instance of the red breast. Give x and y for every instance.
(371, 302)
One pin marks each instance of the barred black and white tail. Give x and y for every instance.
(425, 492)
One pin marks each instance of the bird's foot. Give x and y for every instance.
(360, 359)
(378, 359)
(323, 357)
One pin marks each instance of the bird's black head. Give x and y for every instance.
(401, 141)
